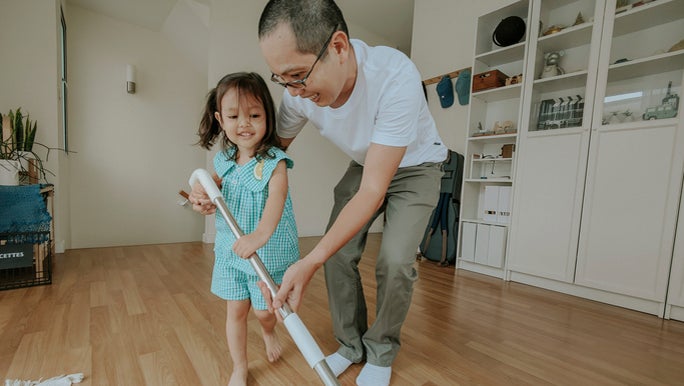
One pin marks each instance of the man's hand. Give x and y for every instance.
(296, 278)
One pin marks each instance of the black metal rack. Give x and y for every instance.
(37, 271)
(28, 264)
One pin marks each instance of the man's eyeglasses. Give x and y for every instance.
(301, 83)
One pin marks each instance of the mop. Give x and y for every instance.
(294, 325)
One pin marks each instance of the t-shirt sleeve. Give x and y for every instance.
(289, 121)
(400, 104)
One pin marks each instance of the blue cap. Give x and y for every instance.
(445, 90)
(463, 87)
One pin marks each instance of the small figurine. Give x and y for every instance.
(579, 19)
(515, 79)
(553, 29)
(614, 119)
(480, 130)
(551, 67)
(498, 129)
(667, 109)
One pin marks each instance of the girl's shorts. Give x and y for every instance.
(233, 284)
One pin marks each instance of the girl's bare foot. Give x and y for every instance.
(238, 378)
(273, 348)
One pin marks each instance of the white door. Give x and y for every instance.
(675, 292)
(630, 209)
(550, 182)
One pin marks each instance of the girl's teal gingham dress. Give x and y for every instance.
(245, 191)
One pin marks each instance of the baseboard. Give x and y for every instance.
(208, 238)
(625, 301)
(59, 246)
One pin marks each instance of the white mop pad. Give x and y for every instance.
(62, 380)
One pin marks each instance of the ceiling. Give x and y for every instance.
(386, 18)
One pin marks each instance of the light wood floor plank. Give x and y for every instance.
(144, 315)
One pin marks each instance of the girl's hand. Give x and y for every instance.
(247, 245)
(200, 200)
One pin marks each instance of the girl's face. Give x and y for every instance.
(243, 119)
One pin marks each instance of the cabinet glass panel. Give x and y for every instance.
(644, 80)
(561, 64)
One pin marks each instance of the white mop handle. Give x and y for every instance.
(303, 339)
(204, 178)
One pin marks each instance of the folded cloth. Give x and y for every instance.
(61, 380)
(23, 214)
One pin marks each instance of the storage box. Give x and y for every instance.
(507, 150)
(489, 79)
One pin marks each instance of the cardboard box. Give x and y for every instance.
(489, 79)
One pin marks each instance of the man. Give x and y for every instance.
(368, 101)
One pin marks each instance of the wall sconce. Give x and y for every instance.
(130, 79)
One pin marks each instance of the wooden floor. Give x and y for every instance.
(144, 316)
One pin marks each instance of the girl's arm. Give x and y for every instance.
(247, 245)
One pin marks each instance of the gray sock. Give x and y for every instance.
(372, 375)
(337, 363)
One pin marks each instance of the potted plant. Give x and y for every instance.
(17, 158)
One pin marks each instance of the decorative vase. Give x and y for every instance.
(9, 172)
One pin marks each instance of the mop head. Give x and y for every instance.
(62, 380)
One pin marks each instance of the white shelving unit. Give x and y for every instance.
(489, 176)
(597, 187)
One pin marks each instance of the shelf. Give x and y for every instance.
(555, 132)
(503, 138)
(641, 124)
(513, 53)
(570, 37)
(499, 93)
(492, 159)
(481, 221)
(655, 13)
(485, 180)
(561, 82)
(657, 64)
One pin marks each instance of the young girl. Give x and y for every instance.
(251, 171)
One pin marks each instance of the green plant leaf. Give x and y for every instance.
(30, 134)
(19, 130)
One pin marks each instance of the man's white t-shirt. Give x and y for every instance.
(386, 107)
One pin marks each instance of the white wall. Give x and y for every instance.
(134, 151)
(29, 79)
(443, 41)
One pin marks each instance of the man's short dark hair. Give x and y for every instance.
(312, 21)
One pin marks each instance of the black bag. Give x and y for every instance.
(440, 245)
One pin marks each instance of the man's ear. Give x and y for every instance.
(341, 45)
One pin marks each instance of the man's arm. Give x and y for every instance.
(286, 142)
(380, 166)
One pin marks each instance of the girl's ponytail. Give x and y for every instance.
(209, 127)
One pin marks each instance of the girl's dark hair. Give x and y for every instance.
(246, 83)
(312, 21)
